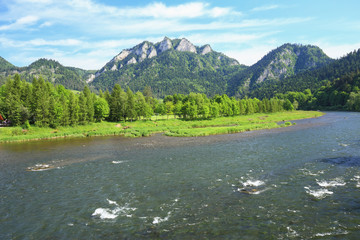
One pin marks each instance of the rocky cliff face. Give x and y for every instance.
(206, 49)
(283, 64)
(165, 45)
(186, 46)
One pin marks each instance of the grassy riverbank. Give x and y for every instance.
(171, 127)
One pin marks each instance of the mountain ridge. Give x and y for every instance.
(148, 50)
(168, 66)
(178, 66)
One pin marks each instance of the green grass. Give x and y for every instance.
(171, 127)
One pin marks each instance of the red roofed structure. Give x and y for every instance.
(1, 118)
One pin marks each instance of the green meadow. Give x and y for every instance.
(170, 126)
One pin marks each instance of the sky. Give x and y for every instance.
(89, 33)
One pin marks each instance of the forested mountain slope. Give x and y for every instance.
(311, 79)
(281, 63)
(51, 70)
(169, 67)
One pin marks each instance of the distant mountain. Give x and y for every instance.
(5, 68)
(169, 67)
(53, 71)
(5, 65)
(282, 62)
(313, 79)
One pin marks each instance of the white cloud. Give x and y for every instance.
(39, 42)
(46, 24)
(61, 42)
(159, 10)
(338, 50)
(37, 1)
(265, 8)
(227, 38)
(20, 23)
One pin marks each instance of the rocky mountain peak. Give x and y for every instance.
(152, 52)
(165, 44)
(121, 56)
(186, 46)
(206, 49)
(147, 50)
(142, 51)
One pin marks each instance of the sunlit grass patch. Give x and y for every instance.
(171, 127)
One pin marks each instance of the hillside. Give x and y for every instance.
(169, 67)
(51, 70)
(312, 79)
(5, 65)
(5, 68)
(283, 62)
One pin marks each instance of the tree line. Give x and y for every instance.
(343, 68)
(43, 104)
(197, 105)
(341, 94)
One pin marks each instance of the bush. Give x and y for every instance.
(26, 125)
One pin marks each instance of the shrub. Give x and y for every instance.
(26, 125)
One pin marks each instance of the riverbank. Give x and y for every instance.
(170, 127)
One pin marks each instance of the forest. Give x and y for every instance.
(343, 71)
(45, 105)
(340, 94)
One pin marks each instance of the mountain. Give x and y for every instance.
(169, 67)
(5, 65)
(178, 66)
(51, 70)
(313, 79)
(281, 63)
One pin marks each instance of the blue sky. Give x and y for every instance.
(88, 33)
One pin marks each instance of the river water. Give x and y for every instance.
(301, 182)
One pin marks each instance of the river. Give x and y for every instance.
(301, 182)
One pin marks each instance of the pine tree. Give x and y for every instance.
(83, 110)
(73, 109)
(116, 105)
(89, 104)
(131, 105)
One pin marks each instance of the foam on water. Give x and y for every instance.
(356, 178)
(309, 173)
(112, 202)
(291, 232)
(158, 220)
(107, 213)
(336, 233)
(40, 167)
(253, 183)
(318, 193)
(118, 162)
(333, 183)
